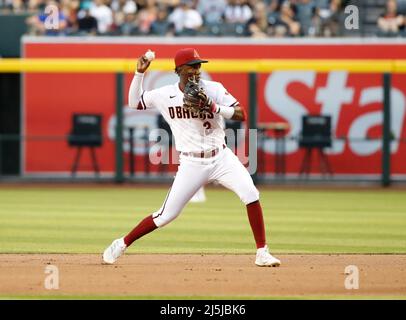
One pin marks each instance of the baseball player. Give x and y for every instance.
(195, 110)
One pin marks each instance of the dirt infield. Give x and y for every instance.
(201, 275)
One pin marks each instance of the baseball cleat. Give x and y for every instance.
(114, 251)
(265, 259)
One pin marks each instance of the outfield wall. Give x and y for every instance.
(353, 100)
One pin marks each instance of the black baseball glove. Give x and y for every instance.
(195, 99)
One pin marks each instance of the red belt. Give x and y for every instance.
(203, 154)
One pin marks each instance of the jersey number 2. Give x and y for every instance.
(207, 125)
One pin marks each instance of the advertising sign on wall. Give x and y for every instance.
(354, 101)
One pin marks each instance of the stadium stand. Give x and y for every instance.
(241, 18)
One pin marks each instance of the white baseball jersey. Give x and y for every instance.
(192, 133)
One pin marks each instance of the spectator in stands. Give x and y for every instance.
(212, 11)
(128, 26)
(329, 13)
(237, 11)
(124, 17)
(50, 21)
(141, 4)
(125, 6)
(260, 25)
(103, 15)
(14, 6)
(307, 16)
(323, 7)
(146, 17)
(286, 23)
(390, 23)
(161, 26)
(255, 18)
(86, 24)
(186, 19)
(70, 9)
(273, 11)
(35, 5)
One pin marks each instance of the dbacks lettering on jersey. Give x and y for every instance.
(182, 113)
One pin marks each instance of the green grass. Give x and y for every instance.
(85, 220)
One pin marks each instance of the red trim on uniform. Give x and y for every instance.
(163, 206)
(139, 106)
(144, 227)
(256, 219)
(143, 102)
(235, 104)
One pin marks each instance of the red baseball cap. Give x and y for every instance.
(188, 56)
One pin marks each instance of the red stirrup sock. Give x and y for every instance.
(144, 227)
(256, 219)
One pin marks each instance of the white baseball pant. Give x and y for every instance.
(193, 173)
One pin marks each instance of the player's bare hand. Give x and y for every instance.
(142, 64)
